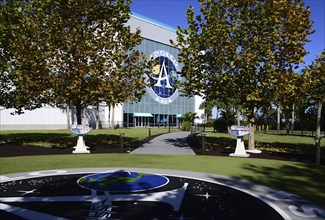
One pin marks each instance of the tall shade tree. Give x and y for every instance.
(240, 49)
(316, 91)
(20, 56)
(291, 91)
(70, 52)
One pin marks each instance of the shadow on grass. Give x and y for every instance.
(305, 180)
(47, 139)
(296, 133)
(65, 140)
(306, 149)
(224, 144)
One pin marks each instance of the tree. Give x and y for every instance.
(291, 91)
(19, 56)
(316, 90)
(240, 50)
(189, 117)
(71, 52)
(265, 116)
(127, 88)
(208, 105)
(228, 107)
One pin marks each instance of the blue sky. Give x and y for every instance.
(173, 14)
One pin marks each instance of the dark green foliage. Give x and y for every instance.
(72, 52)
(186, 126)
(209, 123)
(190, 117)
(229, 117)
(220, 125)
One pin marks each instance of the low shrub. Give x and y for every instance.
(209, 123)
(186, 126)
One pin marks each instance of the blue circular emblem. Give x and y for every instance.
(80, 129)
(122, 181)
(164, 77)
(239, 131)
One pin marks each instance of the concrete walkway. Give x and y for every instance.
(171, 143)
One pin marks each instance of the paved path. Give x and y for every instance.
(171, 143)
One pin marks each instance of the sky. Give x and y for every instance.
(172, 13)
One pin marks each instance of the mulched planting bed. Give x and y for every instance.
(11, 150)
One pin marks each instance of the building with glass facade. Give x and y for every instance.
(162, 105)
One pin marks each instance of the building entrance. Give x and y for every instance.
(150, 120)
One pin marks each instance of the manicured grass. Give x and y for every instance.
(64, 138)
(267, 142)
(302, 179)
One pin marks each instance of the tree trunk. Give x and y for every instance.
(251, 138)
(238, 116)
(318, 137)
(278, 120)
(302, 122)
(109, 117)
(68, 117)
(78, 113)
(84, 115)
(97, 116)
(287, 122)
(266, 120)
(292, 119)
(113, 117)
(227, 118)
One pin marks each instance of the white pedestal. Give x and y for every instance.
(81, 148)
(254, 151)
(240, 149)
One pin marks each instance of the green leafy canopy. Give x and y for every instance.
(69, 52)
(242, 50)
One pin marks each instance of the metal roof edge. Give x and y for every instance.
(152, 21)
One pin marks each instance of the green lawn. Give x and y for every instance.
(267, 142)
(306, 180)
(64, 138)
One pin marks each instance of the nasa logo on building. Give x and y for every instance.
(164, 77)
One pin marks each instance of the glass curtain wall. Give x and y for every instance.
(154, 113)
